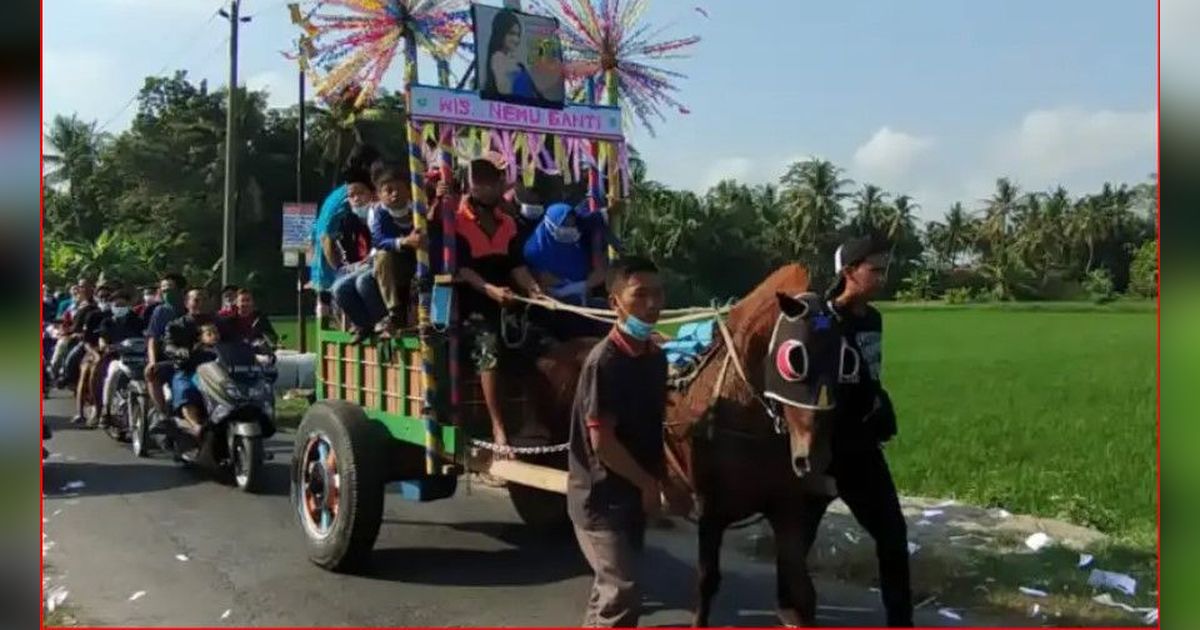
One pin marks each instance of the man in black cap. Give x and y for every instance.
(866, 420)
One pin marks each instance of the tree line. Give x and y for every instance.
(150, 198)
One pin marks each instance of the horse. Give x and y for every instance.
(747, 433)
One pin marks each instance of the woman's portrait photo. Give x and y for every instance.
(520, 57)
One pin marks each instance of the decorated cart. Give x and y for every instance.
(403, 415)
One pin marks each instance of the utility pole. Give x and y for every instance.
(231, 144)
(300, 199)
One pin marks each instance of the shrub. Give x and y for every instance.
(1099, 285)
(960, 295)
(1143, 270)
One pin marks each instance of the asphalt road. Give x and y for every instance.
(148, 543)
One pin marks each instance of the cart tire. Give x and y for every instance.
(540, 510)
(339, 450)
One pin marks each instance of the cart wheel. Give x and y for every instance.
(539, 509)
(337, 484)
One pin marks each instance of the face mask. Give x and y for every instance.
(120, 311)
(148, 298)
(567, 235)
(103, 304)
(360, 211)
(172, 297)
(636, 328)
(532, 212)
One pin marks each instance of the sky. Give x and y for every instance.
(930, 98)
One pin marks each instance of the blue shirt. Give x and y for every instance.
(159, 319)
(387, 228)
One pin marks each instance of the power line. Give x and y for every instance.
(186, 48)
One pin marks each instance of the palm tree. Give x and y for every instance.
(74, 155)
(998, 214)
(869, 204)
(900, 223)
(1088, 225)
(813, 191)
(958, 229)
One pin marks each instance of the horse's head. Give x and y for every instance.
(801, 367)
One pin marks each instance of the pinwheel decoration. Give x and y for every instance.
(606, 42)
(348, 45)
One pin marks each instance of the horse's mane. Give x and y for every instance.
(753, 317)
(750, 323)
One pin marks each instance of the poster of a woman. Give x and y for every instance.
(521, 58)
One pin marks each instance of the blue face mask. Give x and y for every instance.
(636, 328)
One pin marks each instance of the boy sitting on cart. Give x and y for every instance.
(490, 264)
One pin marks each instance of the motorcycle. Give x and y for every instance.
(127, 406)
(239, 399)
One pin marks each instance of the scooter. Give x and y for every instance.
(239, 400)
(127, 408)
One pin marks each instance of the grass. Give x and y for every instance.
(1039, 412)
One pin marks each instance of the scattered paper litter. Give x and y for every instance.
(851, 536)
(932, 513)
(47, 546)
(1106, 599)
(1003, 513)
(913, 547)
(1032, 592)
(56, 512)
(947, 503)
(1109, 579)
(225, 615)
(874, 589)
(923, 522)
(949, 614)
(55, 598)
(1037, 541)
(1035, 610)
(1151, 617)
(180, 557)
(74, 485)
(136, 596)
(1085, 559)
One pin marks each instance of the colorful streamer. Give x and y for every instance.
(351, 43)
(599, 36)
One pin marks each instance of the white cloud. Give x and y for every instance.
(739, 168)
(890, 155)
(1051, 144)
(280, 92)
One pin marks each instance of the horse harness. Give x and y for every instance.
(709, 415)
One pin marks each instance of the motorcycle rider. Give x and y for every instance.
(158, 367)
(124, 324)
(86, 356)
(184, 344)
(71, 331)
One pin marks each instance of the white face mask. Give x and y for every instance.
(360, 211)
(532, 212)
(102, 304)
(567, 235)
(120, 311)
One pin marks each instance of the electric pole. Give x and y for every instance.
(300, 199)
(231, 144)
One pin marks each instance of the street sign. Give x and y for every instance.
(298, 220)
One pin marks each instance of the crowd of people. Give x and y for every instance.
(180, 328)
(537, 241)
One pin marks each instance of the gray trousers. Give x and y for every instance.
(614, 556)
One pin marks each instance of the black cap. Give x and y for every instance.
(853, 252)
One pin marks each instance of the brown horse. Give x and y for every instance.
(746, 439)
